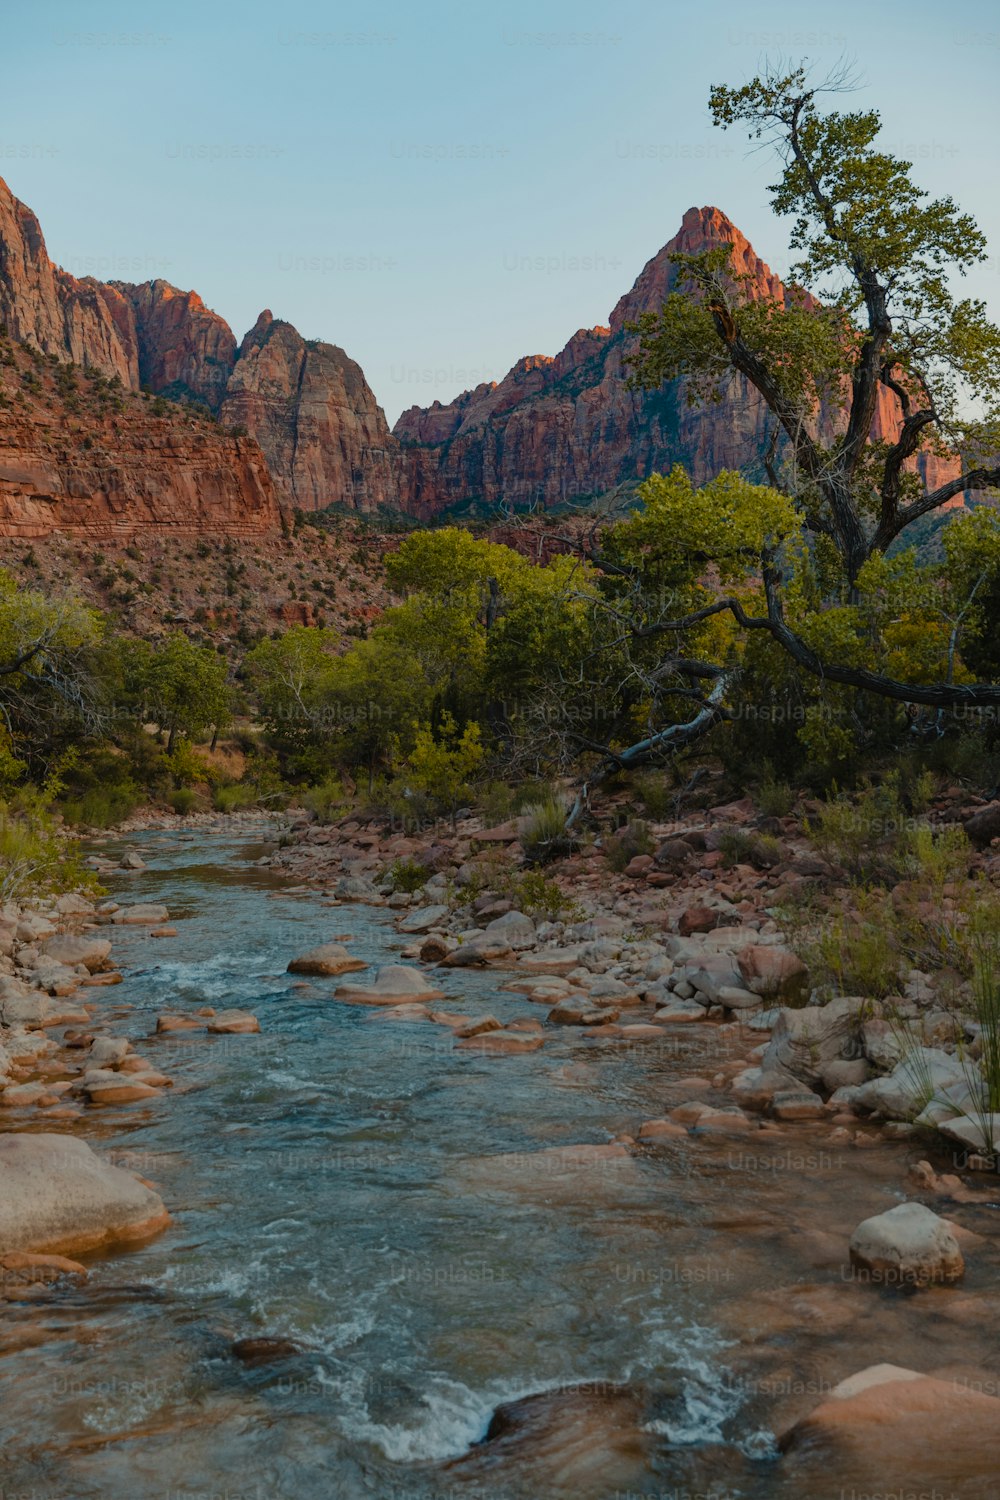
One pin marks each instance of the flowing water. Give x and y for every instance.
(331, 1184)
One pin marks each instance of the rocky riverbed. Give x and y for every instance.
(658, 1214)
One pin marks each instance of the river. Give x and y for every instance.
(331, 1185)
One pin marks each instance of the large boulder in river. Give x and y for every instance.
(804, 1041)
(92, 952)
(513, 929)
(328, 958)
(587, 1441)
(912, 1084)
(146, 914)
(393, 985)
(926, 1436)
(57, 1195)
(907, 1245)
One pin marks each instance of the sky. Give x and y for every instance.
(441, 188)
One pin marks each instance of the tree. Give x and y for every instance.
(186, 688)
(811, 560)
(49, 689)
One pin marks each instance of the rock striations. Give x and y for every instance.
(311, 433)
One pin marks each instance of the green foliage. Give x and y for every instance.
(538, 897)
(184, 800)
(544, 835)
(408, 875)
(233, 796)
(36, 858)
(774, 799)
(327, 800)
(622, 847)
(441, 767)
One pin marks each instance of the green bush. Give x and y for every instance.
(234, 797)
(101, 807)
(35, 857)
(407, 875)
(327, 800)
(537, 897)
(183, 800)
(774, 799)
(622, 847)
(544, 836)
(656, 793)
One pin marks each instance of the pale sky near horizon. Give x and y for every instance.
(441, 188)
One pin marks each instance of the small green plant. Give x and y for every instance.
(622, 847)
(739, 847)
(408, 875)
(183, 800)
(859, 955)
(774, 799)
(36, 858)
(233, 797)
(537, 897)
(544, 834)
(327, 800)
(656, 793)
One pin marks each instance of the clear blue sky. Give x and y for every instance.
(443, 187)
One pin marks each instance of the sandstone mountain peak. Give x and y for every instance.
(556, 429)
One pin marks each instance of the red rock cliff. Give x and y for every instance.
(314, 414)
(185, 349)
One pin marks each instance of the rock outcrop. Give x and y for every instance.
(46, 308)
(186, 351)
(315, 416)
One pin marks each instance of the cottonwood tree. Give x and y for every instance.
(816, 558)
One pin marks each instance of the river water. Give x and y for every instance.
(331, 1184)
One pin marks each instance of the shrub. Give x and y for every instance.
(774, 799)
(407, 875)
(183, 800)
(656, 793)
(622, 847)
(544, 836)
(327, 800)
(537, 897)
(858, 956)
(234, 797)
(35, 857)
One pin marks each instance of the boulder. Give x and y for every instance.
(92, 952)
(907, 1244)
(796, 1104)
(146, 914)
(772, 972)
(979, 1132)
(929, 1437)
(513, 929)
(984, 826)
(57, 1196)
(424, 918)
(502, 1042)
(356, 888)
(477, 952)
(393, 984)
(233, 1023)
(109, 1051)
(804, 1041)
(697, 919)
(912, 1085)
(328, 958)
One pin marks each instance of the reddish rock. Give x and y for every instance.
(185, 350)
(312, 411)
(697, 919)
